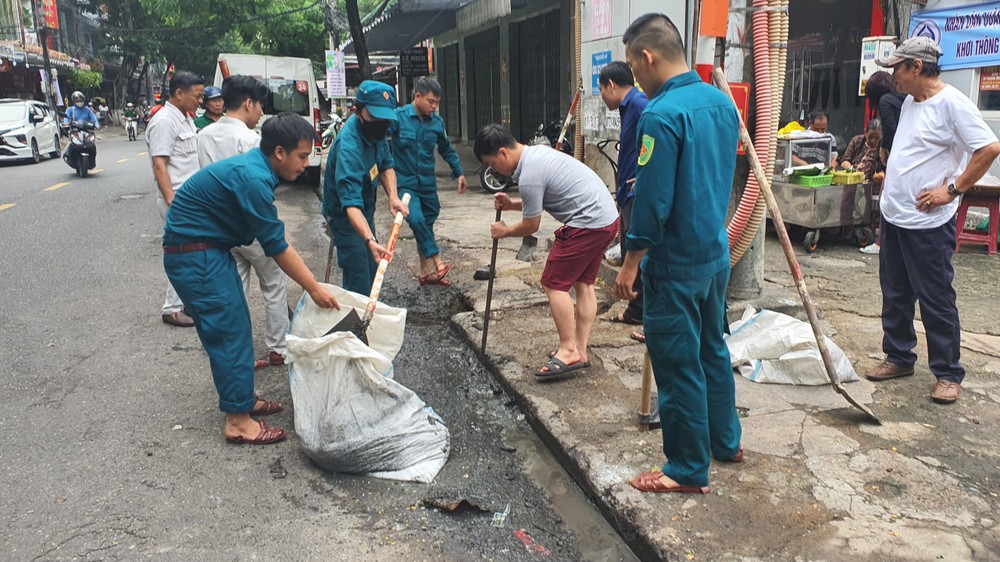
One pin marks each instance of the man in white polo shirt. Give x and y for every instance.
(928, 170)
(233, 134)
(173, 150)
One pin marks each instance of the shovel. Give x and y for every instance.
(351, 322)
(786, 247)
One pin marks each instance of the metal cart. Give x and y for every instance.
(832, 206)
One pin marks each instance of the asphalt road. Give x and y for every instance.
(111, 443)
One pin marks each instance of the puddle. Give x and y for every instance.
(597, 541)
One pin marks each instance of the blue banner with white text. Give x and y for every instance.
(968, 35)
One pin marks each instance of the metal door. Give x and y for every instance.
(538, 60)
(483, 64)
(451, 101)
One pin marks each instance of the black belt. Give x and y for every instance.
(185, 248)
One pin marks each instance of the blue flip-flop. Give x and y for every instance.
(557, 369)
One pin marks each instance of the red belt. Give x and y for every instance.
(185, 248)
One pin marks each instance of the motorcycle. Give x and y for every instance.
(132, 127)
(330, 128)
(81, 154)
(494, 182)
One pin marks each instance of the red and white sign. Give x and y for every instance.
(600, 19)
(51, 14)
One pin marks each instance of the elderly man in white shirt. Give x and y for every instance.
(234, 134)
(173, 151)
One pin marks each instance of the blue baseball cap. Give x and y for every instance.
(212, 92)
(379, 98)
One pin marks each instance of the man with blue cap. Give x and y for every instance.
(214, 105)
(359, 160)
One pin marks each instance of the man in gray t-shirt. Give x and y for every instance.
(575, 196)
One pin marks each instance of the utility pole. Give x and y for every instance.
(42, 32)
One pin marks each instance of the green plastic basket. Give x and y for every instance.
(813, 181)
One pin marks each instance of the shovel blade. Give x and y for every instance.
(527, 249)
(351, 322)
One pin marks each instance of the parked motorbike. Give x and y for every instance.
(330, 127)
(493, 182)
(132, 128)
(81, 154)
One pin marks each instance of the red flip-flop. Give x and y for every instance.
(260, 364)
(650, 482)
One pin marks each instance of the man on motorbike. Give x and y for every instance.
(79, 112)
(131, 119)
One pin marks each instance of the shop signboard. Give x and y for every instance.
(413, 63)
(598, 60)
(600, 19)
(336, 79)
(51, 13)
(968, 35)
(989, 79)
(873, 48)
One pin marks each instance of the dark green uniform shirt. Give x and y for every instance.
(229, 203)
(352, 171)
(413, 141)
(687, 139)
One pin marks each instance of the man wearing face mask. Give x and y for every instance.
(359, 160)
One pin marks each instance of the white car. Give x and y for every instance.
(27, 130)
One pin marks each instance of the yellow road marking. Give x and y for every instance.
(6, 206)
(141, 154)
(56, 186)
(122, 161)
(96, 170)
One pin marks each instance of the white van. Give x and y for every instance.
(293, 88)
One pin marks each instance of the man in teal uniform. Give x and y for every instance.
(687, 137)
(359, 159)
(227, 204)
(413, 137)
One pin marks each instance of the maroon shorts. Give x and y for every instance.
(576, 256)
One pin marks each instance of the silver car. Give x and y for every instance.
(28, 129)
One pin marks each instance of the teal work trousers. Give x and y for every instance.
(684, 322)
(212, 292)
(424, 211)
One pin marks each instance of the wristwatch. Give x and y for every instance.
(952, 190)
(370, 240)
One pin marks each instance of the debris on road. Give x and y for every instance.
(451, 505)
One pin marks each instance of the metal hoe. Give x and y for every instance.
(489, 290)
(359, 326)
(786, 246)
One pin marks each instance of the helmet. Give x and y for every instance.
(212, 92)
(129, 105)
(78, 96)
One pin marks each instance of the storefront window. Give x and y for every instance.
(989, 88)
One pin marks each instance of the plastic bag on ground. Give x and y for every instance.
(770, 347)
(349, 413)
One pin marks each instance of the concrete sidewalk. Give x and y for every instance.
(818, 482)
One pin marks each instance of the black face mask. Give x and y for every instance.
(375, 130)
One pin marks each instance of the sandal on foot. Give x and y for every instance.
(442, 269)
(266, 436)
(650, 482)
(638, 336)
(260, 364)
(555, 368)
(622, 319)
(266, 408)
(434, 279)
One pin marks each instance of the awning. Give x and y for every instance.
(409, 22)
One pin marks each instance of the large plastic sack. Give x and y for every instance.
(349, 413)
(770, 347)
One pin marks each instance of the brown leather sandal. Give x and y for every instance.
(434, 279)
(266, 408)
(650, 482)
(266, 436)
